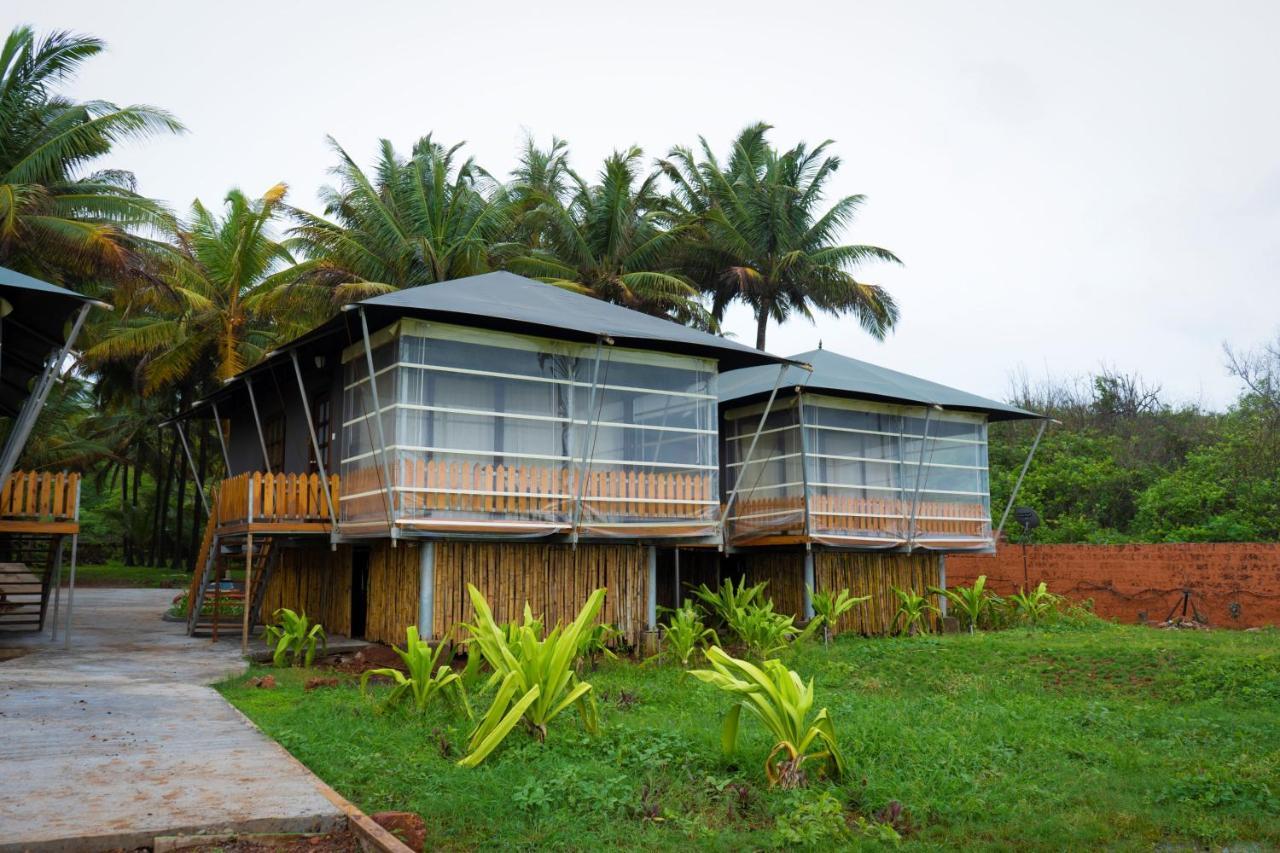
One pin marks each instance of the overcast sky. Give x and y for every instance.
(1071, 186)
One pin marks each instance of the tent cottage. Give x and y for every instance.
(539, 444)
(857, 476)
(492, 430)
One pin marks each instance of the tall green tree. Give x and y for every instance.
(428, 217)
(540, 174)
(764, 239)
(614, 240)
(58, 220)
(227, 293)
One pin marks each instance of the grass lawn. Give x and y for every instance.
(1111, 736)
(118, 574)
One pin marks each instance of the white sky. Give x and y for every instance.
(1093, 183)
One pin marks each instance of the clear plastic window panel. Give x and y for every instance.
(876, 481)
(505, 434)
(364, 496)
(770, 497)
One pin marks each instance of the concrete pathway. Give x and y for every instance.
(121, 739)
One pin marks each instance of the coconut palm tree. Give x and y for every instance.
(614, 240)
(419, 219)
(762, 238)
(58, 220)
(541, 173)
(226, 294)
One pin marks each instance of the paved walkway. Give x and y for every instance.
(121, 739)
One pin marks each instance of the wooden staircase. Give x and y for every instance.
(26, 581)
(213, 609)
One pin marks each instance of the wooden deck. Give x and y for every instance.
(40, 502)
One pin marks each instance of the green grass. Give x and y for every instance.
(118, 574)
(1110, 736)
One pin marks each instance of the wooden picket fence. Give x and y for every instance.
(40, 495)
(849, 515)
(297, 498)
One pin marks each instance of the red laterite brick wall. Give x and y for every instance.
(1233, 585)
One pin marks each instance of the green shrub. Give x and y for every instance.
(971, 602)
(534, 676)
(779, 699)
(684, 632)
(420, 684)
(912, 609)
(294, 635)
(829, 607)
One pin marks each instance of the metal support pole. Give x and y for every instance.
(315, 443)
(942, 584)
(262, 441)
(21, 430)
(804, 463)
(222, 441)
(195, 475)
(751, 449)
(679, 600)
(426, 589)
(1018, 485)
(808, 584)
(57, 587)
(588, 440)
(248, 587)
(377, 413)
(651, 607)
(915, 497)
(71, 590)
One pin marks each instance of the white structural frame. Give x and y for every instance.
(582, 459)
(919, 491)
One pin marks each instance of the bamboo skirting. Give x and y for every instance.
(393, 592)
(864, 573)
(316, 580)
(555, 580)
(861, 572)
(784, 570)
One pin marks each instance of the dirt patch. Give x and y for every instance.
(372, 656)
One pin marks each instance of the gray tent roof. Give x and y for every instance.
(841, 376)
(503, 301)
(509, 302)
(35, 328)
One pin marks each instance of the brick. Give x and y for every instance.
(1234, 585)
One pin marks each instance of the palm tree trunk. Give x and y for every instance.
(762, 323)
(197, 508)
(126, 543)
(162, 505)
(175, 559)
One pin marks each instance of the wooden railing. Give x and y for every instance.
(40, 496)
(545, 495)
(537, 490)
(889, 516)
(840, 515)
(258, 498)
